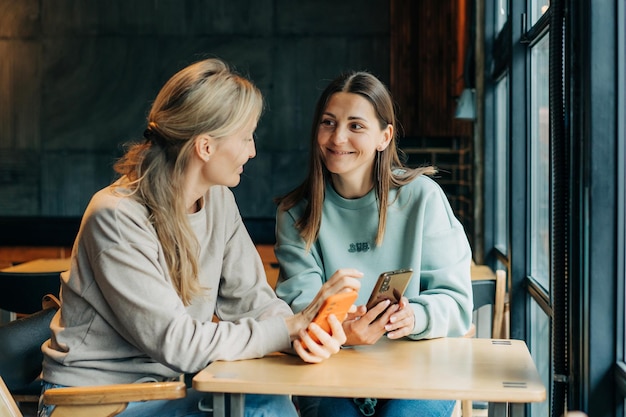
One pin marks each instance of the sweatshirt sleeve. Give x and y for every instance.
(244, 290)
(132, 294)
(301, 275)
(444, 305)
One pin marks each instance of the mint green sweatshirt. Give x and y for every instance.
(422, 233)
(121, 319)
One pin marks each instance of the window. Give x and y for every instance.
(539, 198)
(501, 138)
(519, 136)
(568, 271)
(538, 8)
(621, 181)
(540, 164)
(501, 13)
(539, 345)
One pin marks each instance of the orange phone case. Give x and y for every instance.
(337, 304)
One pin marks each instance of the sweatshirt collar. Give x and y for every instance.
(352, 204)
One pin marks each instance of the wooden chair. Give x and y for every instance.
(488, 289)
(20, 348)
(108, 400)
(8, 407)
(492, 291)
(96, 401)
(505, 333)
(270, 263)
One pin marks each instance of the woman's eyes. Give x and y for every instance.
(332, 123)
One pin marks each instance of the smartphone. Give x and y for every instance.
(337, 304)
(390, 286)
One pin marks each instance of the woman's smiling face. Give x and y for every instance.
(349, 135)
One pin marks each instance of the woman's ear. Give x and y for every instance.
(203, 147)
(387, 134)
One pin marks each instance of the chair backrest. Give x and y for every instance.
(491, 291)
(8, 407)
(20, 350)
(488, 289)
(21, 292)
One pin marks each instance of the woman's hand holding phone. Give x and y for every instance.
(387, 311)
(301, 326)
(402, 321)
(325, 334)
(327, 344)
(366, 327)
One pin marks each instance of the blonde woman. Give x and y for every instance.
(164, 248)
(360, 207)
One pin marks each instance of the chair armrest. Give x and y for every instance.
(117, 393)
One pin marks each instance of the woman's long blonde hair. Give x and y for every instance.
(203, 98)
(389, 171)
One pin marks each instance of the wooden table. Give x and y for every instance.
(501, 372)
(23, 286)
(40, 265)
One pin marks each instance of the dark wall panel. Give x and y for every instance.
(20, 85)
(19, 182)
(187, 18)
(77, 78)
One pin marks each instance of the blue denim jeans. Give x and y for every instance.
(195, 404)
(347, 407)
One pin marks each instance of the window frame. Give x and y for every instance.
(620, 367)
(596, 137)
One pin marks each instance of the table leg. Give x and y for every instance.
(517, 409)
(237, 405)
(219, 404)
(506, 409)
(497, 410)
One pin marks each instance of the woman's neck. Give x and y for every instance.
(351, 188)
(195, 207)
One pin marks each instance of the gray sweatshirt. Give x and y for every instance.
(121, 319)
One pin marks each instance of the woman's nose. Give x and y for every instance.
(339, 135)
(252, 151)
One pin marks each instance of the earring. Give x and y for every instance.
(379, 165)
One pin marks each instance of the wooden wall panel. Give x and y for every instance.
(428, 47)
(19, 18)
(424, 67)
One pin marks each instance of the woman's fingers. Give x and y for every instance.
(401, 323)
(329, 343)
(343, 280)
